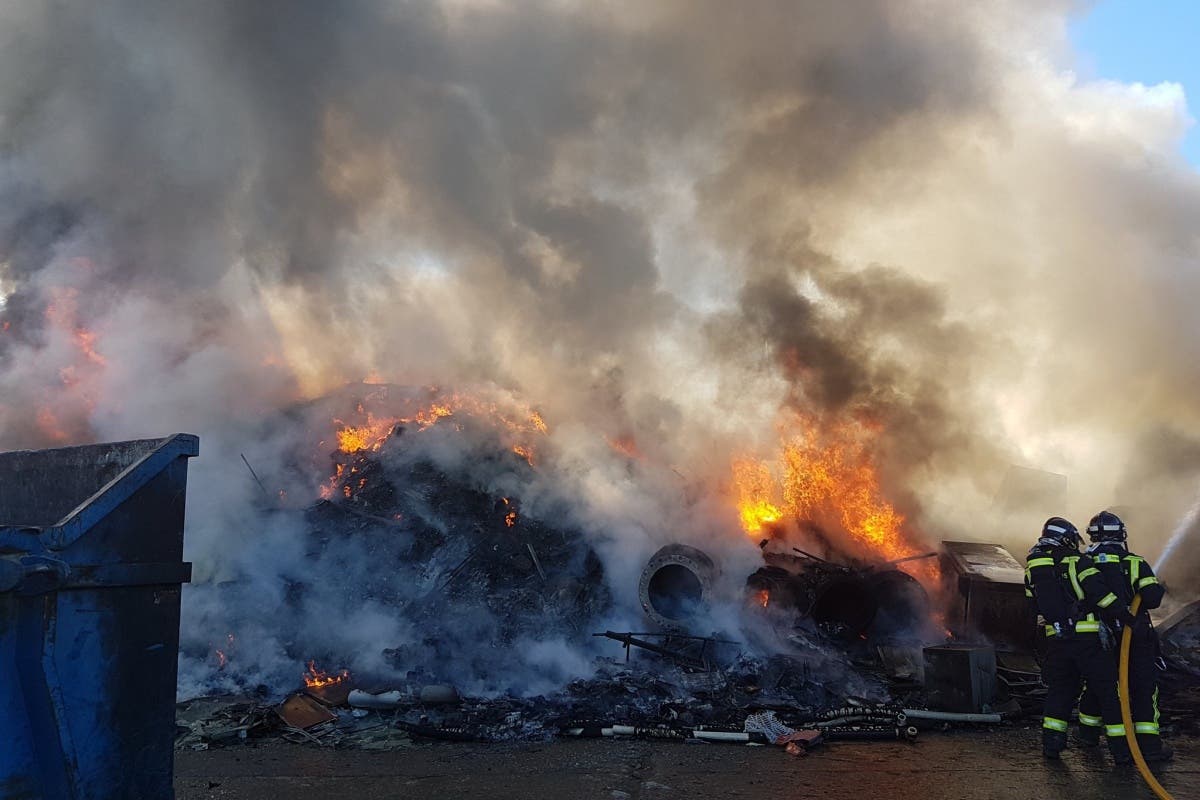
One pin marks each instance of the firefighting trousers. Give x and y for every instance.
(1070, 663)
(1143, 693)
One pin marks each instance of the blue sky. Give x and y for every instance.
(1150, 41)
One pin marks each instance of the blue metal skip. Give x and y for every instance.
(91, 563)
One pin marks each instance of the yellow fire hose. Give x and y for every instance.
(1127, 714)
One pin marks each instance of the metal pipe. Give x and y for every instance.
(675, 586)
(670, 733)
(722, 736)
(807, 554)
(895, 561)
(949, 716)
(629, 640)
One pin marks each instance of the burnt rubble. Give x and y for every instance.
(478, 580)
(462, 577)
(464, 567)
(654, 699)
(820, 649)
(489, 579)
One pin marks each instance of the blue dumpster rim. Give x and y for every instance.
(34, 539)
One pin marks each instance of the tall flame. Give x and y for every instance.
(755, 488)
(828, 478)
(829, 473)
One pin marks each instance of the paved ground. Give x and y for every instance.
(959, 766)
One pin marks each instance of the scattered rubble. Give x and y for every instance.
(209, 721)
(1179, 635)
(832, 652)
(771, 701)
(303, 711)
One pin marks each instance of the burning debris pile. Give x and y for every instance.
(421, 519)
(502, 613)
(435, 510)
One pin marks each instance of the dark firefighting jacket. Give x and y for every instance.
(1127, 574)
(1067, 589)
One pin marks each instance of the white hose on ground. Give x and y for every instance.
(949, 716)
(721, 736)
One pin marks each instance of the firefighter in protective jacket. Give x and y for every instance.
(1070, 595)
(1128, 574)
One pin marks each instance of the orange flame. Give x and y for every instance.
(510, 519)
(828, 478)
(86, 341)
(371, 434)
(763, 597)
(626, 446)
(223, 655)
(431, 415)
(63, 416)
(49, 426)
(318, 679)
(754, 485)
(328, 490)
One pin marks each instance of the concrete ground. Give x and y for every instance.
(964, 765)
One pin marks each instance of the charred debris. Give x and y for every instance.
(816, 650)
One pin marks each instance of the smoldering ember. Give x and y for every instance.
(560, 399)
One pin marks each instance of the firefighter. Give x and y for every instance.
(1127, 574)
(1069, 592)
